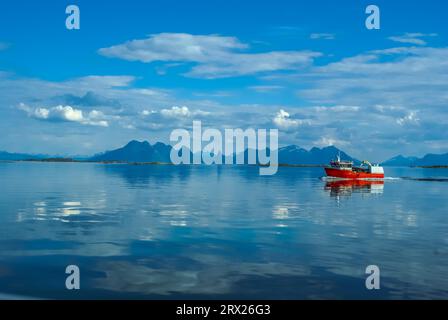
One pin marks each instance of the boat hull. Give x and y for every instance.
(349, 174)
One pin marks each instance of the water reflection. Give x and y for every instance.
(165, 231)
(203, 274)
(339, 188)
(52, 209)
(139, 175)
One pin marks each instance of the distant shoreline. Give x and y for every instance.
(288, 156)
(70, 160)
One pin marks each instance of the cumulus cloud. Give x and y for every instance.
(283, 120)
(176, 112)
(324, 36)
(394, 98)
(66, 114)
(147, 112)
(15, 89)
(112, 95)
(182, 112)
(410, 118)
(215, 56)
(413, 38)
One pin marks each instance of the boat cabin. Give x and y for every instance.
(341, 165)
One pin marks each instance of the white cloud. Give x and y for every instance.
(368, 97)
(344, 109)
(66, 114)
(413, 38)
(147, 112)
(330, 141)
(181, 112)
(102, 82)
(40, 113)
(247, 64)
(176, 112)
(412, 76)
(15, 89)
(383, 109)
(282, 120)
(150, 92)
(265, 88)
(324, 36)
(410, 118)
(215, 56)
(174, 47)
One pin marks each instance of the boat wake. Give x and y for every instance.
(429, 179)
(327, 178)
(426, 179)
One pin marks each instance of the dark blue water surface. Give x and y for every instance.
(154, 231)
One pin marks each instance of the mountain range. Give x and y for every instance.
(296, 155)
(136, 151)
(20, 156)
(428, 160)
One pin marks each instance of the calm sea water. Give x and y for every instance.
(170, 232)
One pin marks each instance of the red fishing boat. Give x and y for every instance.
(346, 170)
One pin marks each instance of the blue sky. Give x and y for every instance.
(138, 69)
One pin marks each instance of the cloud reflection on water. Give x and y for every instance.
(193, 230)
